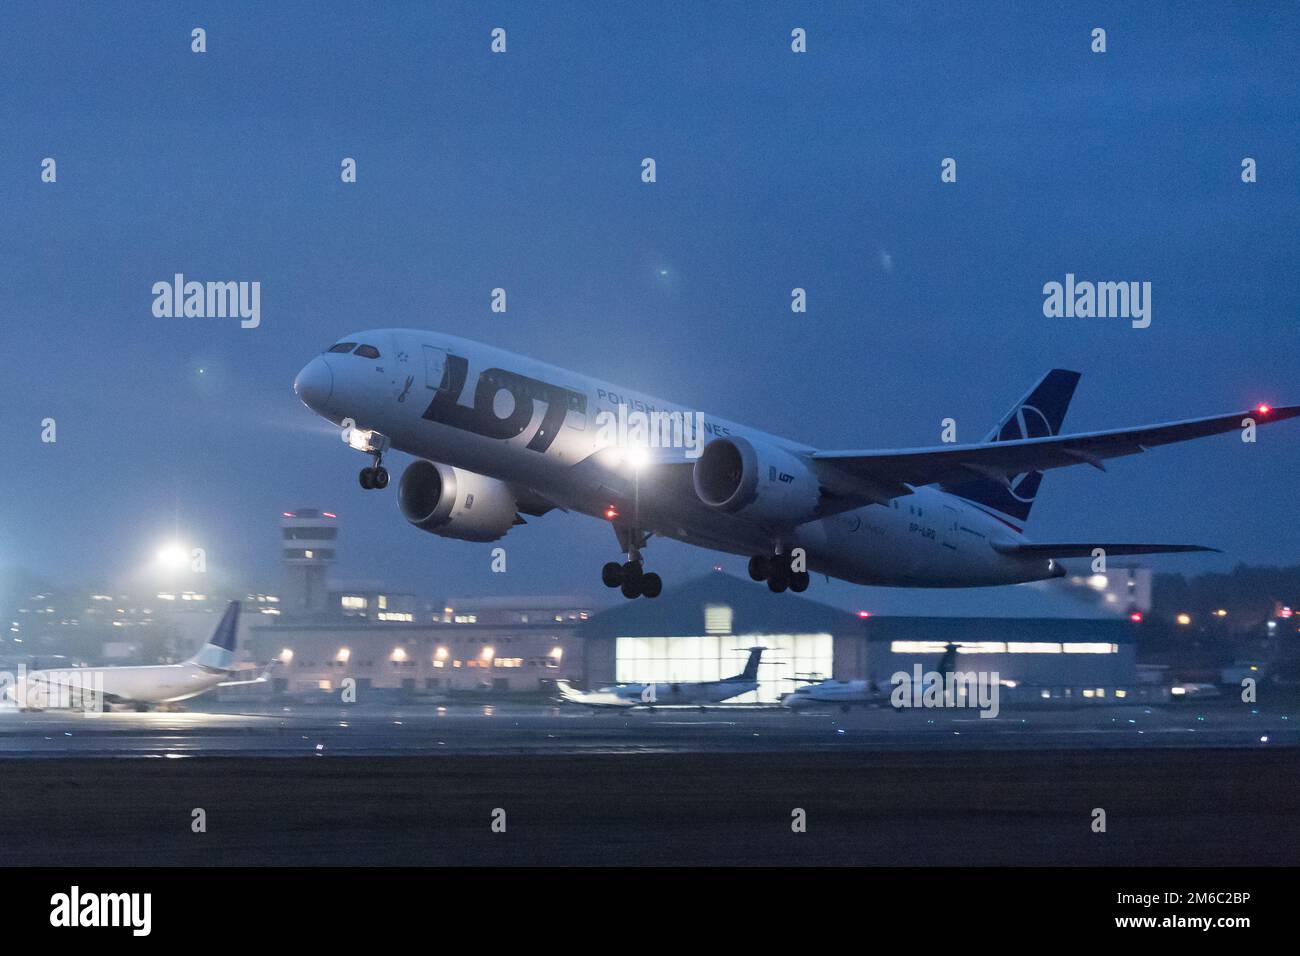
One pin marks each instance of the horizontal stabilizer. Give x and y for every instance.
(1086, 550)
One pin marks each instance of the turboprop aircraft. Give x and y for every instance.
(669, 693)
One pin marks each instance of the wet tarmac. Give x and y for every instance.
(543, 729)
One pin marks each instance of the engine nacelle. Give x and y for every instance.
(766, 484)
(455, 503)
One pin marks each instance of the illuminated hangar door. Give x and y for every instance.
(712, 657)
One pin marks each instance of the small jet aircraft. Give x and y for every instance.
(671, 693)
(90, 687)
(497, 436)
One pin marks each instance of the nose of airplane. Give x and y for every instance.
(314, 383)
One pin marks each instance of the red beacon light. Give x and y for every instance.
(864, 614)
(1136, 617)
(1263, 408)
(611, 512)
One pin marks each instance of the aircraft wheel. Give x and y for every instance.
(379, 478)
(632, 572)
(777, 583)
(612, 574)
(652, 585)
(758, 567)
(367, 478)
(631, 589)
(799, 581)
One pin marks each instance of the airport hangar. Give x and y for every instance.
(1060, 641)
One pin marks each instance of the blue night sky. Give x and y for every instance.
(522, 170)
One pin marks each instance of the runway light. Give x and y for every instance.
(1184, 619)
(1221, 612)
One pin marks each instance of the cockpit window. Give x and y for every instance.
(367, 351)
(342, 347)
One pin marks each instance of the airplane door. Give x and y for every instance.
(950, 527)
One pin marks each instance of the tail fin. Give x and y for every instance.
(219, 651)
(751, 665)
(1038, 415)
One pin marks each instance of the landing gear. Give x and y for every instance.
(775, 570)
(630, 577)
(374, 477)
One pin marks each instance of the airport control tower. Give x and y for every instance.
(307, 551)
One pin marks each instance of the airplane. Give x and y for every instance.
(140, 686)
(499, 436)
(669, 693)
(849, 693)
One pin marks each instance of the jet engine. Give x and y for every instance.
(766, 484)
(454, 503)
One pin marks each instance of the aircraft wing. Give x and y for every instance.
(1086, 550)
(1001, 460)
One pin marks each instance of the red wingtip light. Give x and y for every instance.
(1263, 408)
(611, 512)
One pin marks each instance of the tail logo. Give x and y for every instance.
(1027, 422)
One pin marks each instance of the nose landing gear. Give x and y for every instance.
(776, 571)
(375, 477)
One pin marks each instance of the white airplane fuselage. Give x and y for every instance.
(661, 693)
(147, 684)
(927, 539)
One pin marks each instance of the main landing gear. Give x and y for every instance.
(374, 477)
(630, 577)
(775, 570)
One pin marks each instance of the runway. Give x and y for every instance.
(416, 785)
(372, 730)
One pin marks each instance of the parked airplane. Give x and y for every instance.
(497, 436)
(669, 693)
(846, 694)
(212, 666)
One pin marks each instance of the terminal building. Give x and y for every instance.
(497, 646)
